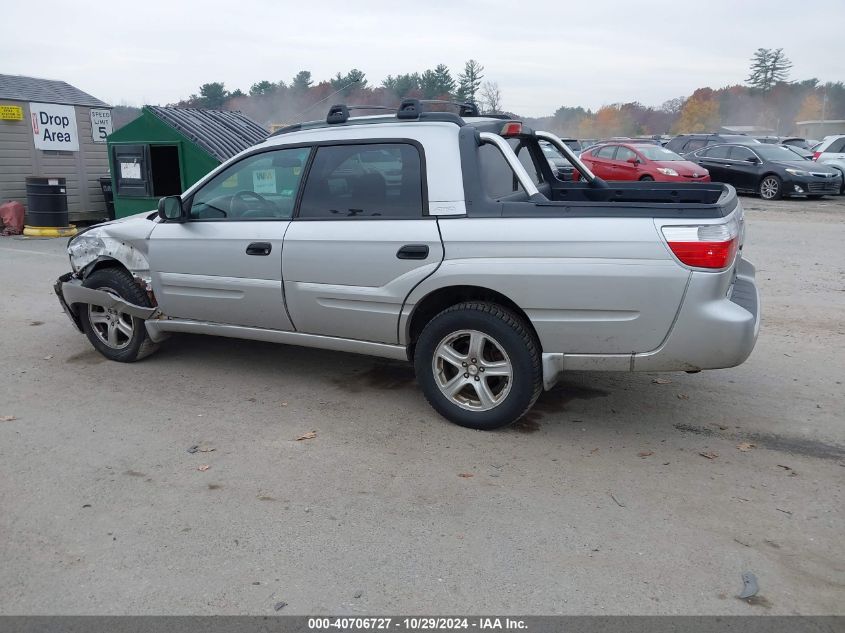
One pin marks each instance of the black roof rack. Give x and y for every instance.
(409, 109)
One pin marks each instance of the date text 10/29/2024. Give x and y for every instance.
(417, 624)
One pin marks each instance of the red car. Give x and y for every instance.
(642, 161)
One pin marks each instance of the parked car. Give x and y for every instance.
(796, 141)
(803, 153)
(641, 161)
(686, 143)
(771, 171)
(475, 263)
(560, 165)
(831, 152)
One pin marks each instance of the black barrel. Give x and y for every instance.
(46, 202)
(108, 195)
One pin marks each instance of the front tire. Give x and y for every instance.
(770, 187)
(646, 179)
(116, 335)
(478, 365)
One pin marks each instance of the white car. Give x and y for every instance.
(831, 152)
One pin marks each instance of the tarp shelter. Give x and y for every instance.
(166, 150)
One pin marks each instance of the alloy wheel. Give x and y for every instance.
(112, 327)
(769, 188)
(472, 370)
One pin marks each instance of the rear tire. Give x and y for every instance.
(770, 187)
(478, 365)
(116, 335)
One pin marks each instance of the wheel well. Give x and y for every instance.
(104, 262)
(435, 302)
(100, 263)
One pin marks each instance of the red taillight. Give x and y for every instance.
(705, 254)
(816, 155)
(511, 128)
(705, 246)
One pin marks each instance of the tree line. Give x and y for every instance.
(767, 99)
(302, 97)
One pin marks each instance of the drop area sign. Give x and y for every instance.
(54, 127)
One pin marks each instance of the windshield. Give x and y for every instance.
(654, 152)
(774, 152)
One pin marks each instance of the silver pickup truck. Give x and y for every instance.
(436, 238)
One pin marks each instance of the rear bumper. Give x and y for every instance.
(708, 333)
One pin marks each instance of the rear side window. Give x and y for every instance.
(497, 177)
(623, 154)
(606, 152)
(720, 151)
(364, 181)
(694, 144)
(837, 146)
(741, 153)
(524, 156)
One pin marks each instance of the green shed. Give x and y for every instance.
(166, 150)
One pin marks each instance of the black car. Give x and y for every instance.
(686, 143)
(561, 167)
(771, 171)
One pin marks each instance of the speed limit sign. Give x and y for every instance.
(100, 125)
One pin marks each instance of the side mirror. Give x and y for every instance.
(752, 159)
(170, 209)
(634, 160)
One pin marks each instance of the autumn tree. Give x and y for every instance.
(811, 108)
(699, 114)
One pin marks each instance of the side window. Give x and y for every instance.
(260, 187)
(694, 144)
(524, 156)
(606, 152)
(836, 147)
(719, 151)
(497, 177)
(367, 181)
(741, 153)
(623, 154)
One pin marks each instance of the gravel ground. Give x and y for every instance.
(599, 502)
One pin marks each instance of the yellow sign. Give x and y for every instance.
(11, 113)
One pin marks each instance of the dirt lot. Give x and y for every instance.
(599, 502)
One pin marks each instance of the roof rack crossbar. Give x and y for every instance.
(465, 108)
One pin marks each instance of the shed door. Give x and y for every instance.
(131, 169)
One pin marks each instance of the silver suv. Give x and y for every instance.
(443, 240)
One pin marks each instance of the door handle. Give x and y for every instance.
(259, 248)
(413, 251)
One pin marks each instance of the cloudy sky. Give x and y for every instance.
(542, 54)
